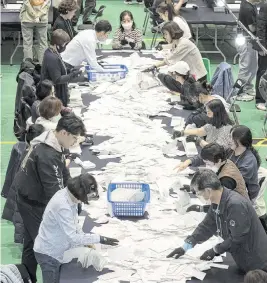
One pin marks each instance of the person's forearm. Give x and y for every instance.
(194, 132)
(84, 239)
(203, 143)
(160, 64)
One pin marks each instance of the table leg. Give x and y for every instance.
(216, 44)
(16, 48)
(197, 36)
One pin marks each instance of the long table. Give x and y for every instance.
(73, 272)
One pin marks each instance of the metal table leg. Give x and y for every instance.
(16, 48)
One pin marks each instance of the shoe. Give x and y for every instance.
(244, 97)
(140, 2)
(101, 7)
(128, 2)
(94, 11)
(88, 22)
(261, 106)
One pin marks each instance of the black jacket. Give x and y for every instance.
(240, 228)
(65, 25)
(43, 171)
(262, 25)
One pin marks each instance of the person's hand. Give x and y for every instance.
(177, 253)
(183, 165)
(72, 156)
(132, 44)
(108, 241)
(208, 255)
(75, 73)
(177, 134)
(194, 139)
(195, 207)
(124, 42)
(185, 188)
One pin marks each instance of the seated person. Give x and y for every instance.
(202, 91)
(44, 89)
(66, 10)
(167, 13)
(181, 82)
(50, 109)
(217, 130)
(127, 35)
(182, 49)
(256, 276)
(82, 47)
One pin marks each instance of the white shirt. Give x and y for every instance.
(182, 23)
(82, 48)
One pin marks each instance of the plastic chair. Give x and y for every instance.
(92, 26)
(206, 62)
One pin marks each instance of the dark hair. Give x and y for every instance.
(50, 107)
(81, 186)
(34, 131)
(104, 26)
(44, 89)
(173, 29)
(59, 37)
(220, 117)
(167, 8)
(213, 152)
(256, 276)
(122, 15)
(66, 6)
(207, 179)
(194, 182)
(202, 88)
(71, 124)
(244, 136)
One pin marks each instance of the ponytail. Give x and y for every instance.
(256, 154)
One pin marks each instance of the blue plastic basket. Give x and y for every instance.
(95, 76)
(135, 209)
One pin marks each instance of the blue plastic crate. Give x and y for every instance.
(136, 209)
(95, 76)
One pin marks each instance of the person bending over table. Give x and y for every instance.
(55, 70)
(217, 130)
(127, 35)
(233, 220)
(42, 173)
(182, 49)
(66, 9)
(50, 109)
(203, 93)
(83, 45)
(59, 230)
(167, 13)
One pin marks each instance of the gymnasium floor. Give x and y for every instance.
(10, 252)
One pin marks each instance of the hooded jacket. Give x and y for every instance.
(43, 171)
(236, 221)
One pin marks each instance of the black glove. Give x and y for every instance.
(177, 134)
(177, 253)
(195, 207)
(108, 241)
(194, 139)
(150, 69)
(186, 188)
(209, 255)
(75, 73)
(72, 156)
(159, 47)
(132, 44)
(124, 42)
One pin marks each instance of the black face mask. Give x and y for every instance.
(61, 48)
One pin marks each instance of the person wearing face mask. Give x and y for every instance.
(55, 70)
(183, 49)
(42, 173)
(66, 10)
(233, 220)
(59, 230)
(49, 109)
(82, 47)
(179, 80)
(127, 35)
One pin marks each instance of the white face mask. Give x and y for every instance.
(204, 201)
(55, 119)
(211, 166)
(127, 26)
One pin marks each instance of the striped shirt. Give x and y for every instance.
(134, 36)
(59, 230)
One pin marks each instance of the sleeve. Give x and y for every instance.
(196, 161)
(262, 25)
(116, 42)
(170, 83)
(75, 236)
(138, 39)
(178, 54)
(28, 7)
(205, 230)
(238, 222)
(90, 55)
(251, 17)
(228, 182)
(50, 176)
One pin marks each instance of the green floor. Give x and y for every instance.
(10, 253)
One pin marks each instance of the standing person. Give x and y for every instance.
(248, 57)
(34, 18)
(42, 173)
(66, 10)
(127, 35)
(262, 57)
(59, 231)
(233, 220)
(83, 46)
(55, 70)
